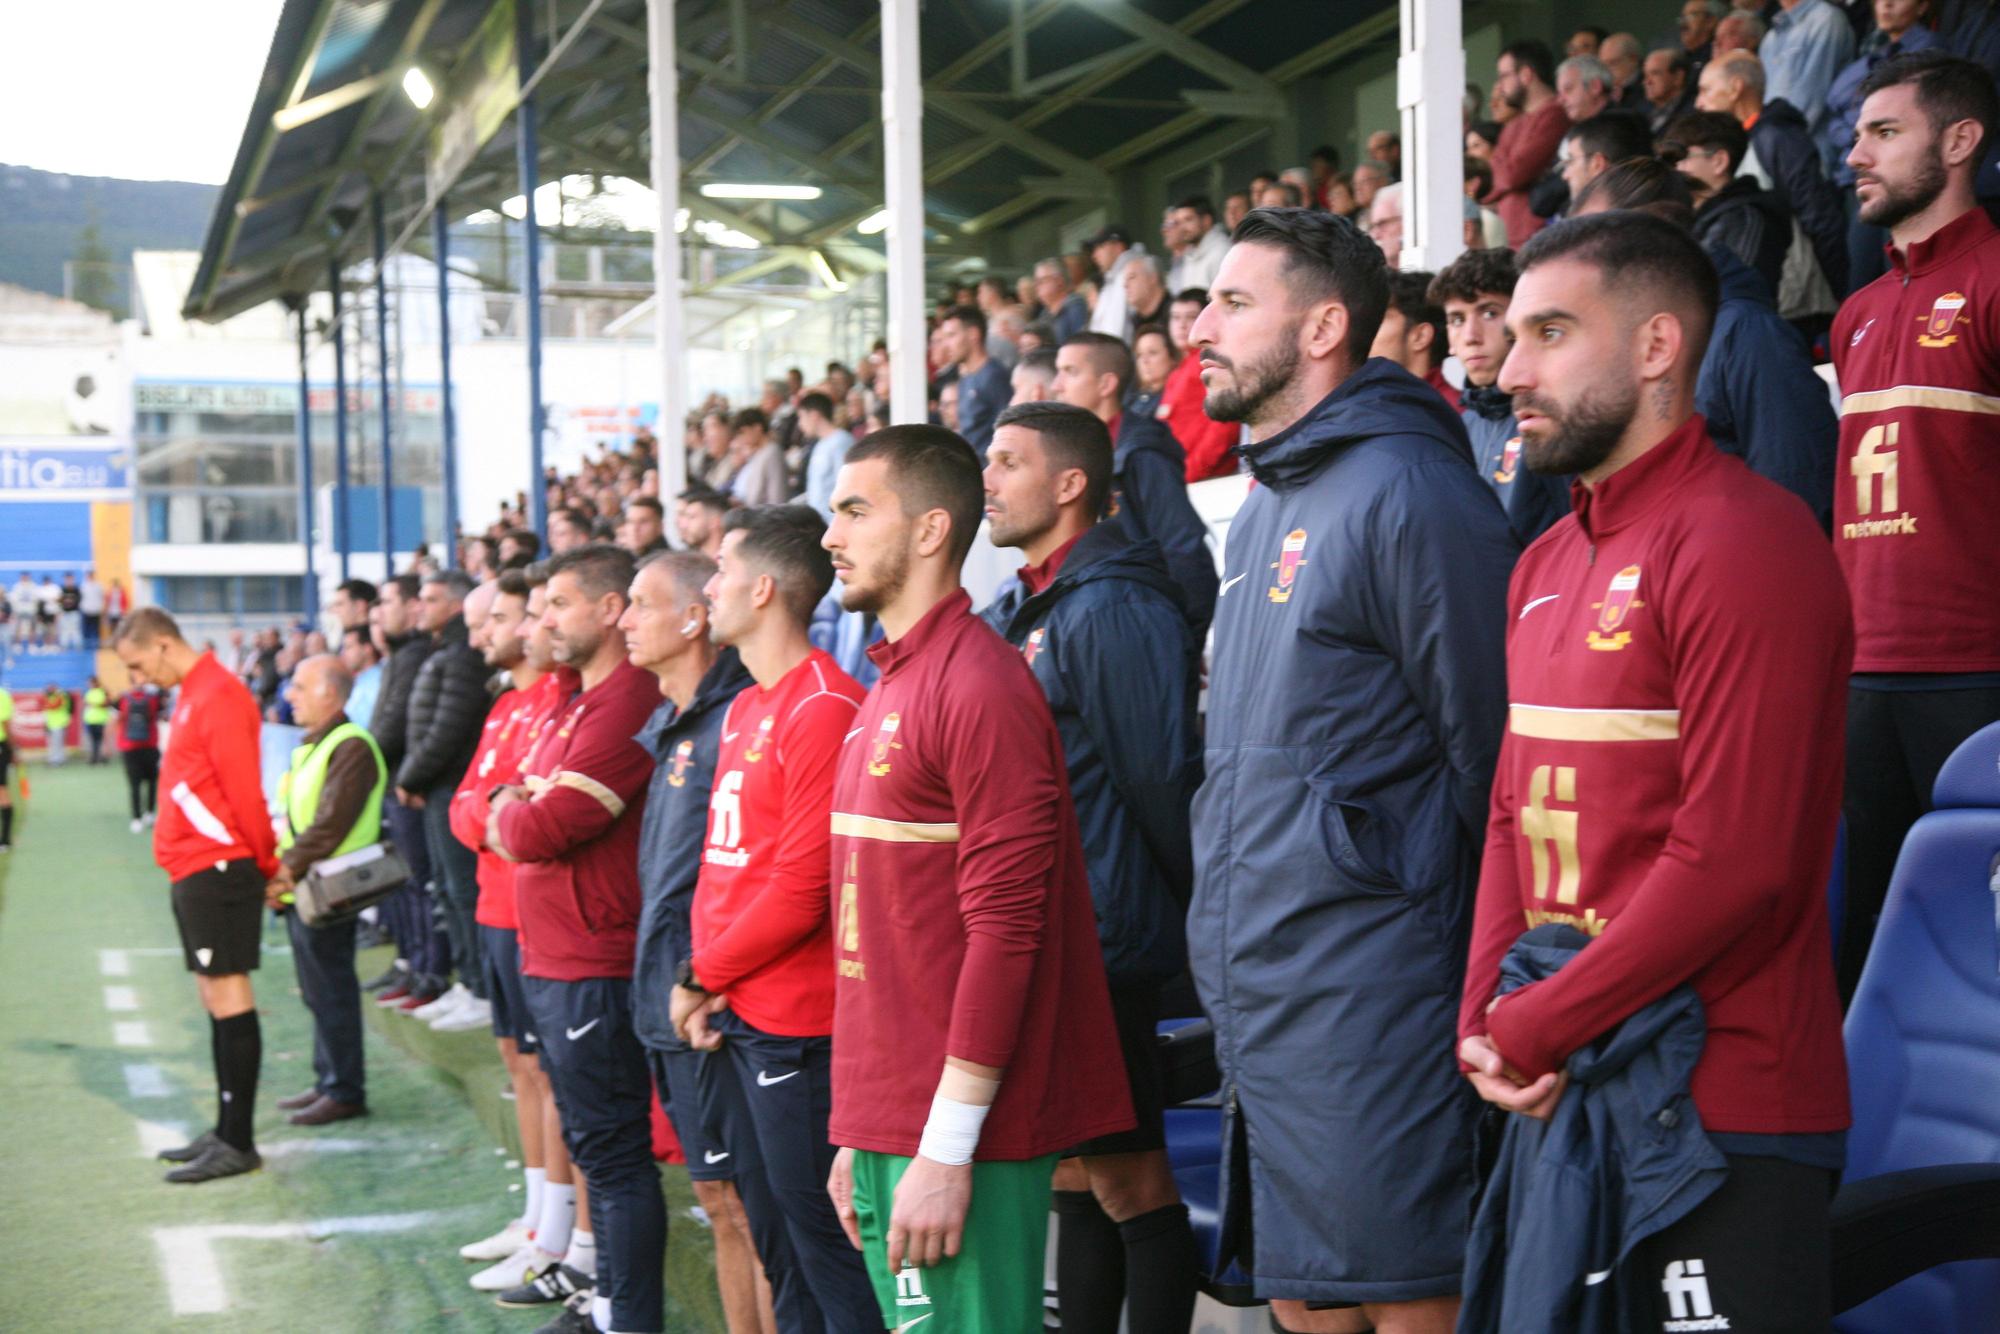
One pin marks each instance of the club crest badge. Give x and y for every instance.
(1510, 461)
(1291, 558)
(1037, 639)
(755, 751)
(683, 758)
(1619, 600)
(879, 757)
(1946, 313)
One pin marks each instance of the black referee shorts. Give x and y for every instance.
(1135, 1012)
(220, 911)
(6, 761)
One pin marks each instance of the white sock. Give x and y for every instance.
(582, 1253)
(531, 1208)
(558, 1216)
(600, 1312)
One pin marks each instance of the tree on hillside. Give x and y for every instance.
(91, 277)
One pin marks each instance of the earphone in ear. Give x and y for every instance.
(693, 624)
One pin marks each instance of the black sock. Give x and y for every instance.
(6, 824)
(239, 1050)
(1090, 1265)
(1162, 1270)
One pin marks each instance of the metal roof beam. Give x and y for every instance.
(1176, 42)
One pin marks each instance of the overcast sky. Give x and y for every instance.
(151, 90)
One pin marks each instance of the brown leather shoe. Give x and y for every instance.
(298, 1101)
(326, 1111)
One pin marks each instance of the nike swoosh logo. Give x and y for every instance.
(731, 736)
(711, 1157)
(764, 1079)
(1227, 584)
(851, 735)
(912, 1324)
(574, 1033)
(1536, 603)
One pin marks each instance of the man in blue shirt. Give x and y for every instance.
(829, 450)
(983, 389)
(1808, 44)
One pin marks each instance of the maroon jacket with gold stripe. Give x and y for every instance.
(963, 923)
(1677, 659)
(1917, 489)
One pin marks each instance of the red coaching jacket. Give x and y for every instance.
(212, 808)
(1677, 660)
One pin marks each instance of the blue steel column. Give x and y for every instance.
(382, 357)
(306, 469)
(441, 231)
(529, 53)
(342, 543)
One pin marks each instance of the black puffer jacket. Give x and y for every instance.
(448, 704)
(1791, 159)
(390, 723)
(1749, 222)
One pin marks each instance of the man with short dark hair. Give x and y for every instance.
(1098, 621)
(1663, 815)
(1602, 141)
(1413, 335)
(421, 944)
(572, 827)
(1361, 613)
(645, 526)
(214, 841)
(1149, 470)
(350, 602)
(1205, 244)
(760, 479)
(1732, 210)
(830, 443)
(1915, 489)
(1528, 142)
(568, 530)
(698, 513)
(973, 1038)
(518, 547)
(1110, 250)
(760, 979)
(982, 382)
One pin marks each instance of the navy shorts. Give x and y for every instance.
(500, 953)
(1135, 1013)
(677, 1076)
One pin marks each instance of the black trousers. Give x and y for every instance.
(419, 939)
(324, 959)
(1897, 740)
(454, 889)
(142, 779)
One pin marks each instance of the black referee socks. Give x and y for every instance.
(1090, 1265)
(1162, 1268)
(239, 1051)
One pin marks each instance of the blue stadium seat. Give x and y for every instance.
(1194, 1147)
(1923, 1046)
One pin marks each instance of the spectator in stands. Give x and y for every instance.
(1595, 144)
(1899, 29)
(830, 444)
(480, 556)
(1481, 136)
(1757, 390)
(1033, 378)
(1209, 445)
(1585, 88)
(421, 948)
(364, 668)
(330, 804)
(1204, 244)
(569, 528)
(1669, 85)
(1916, 489)
(1385, 222)
(1149, 468)
(982, 382)
(1584, 41)
(350, 603)
(1110, 250)
(1369, 178)
(698, 515)
(947, 404)
(1065, 310)
(518, 547)
(645, 527)
(1413, 335)
(1697, 25)
(1732, 211)
(1621, 54)
(1324, 165)
(1235, 206)
(1809, 42)
(92, 606)
(1145, 293)
(447, 706)
(713, 464)
(1740, 31)
(1152, 361)
(1386, 147)
(1785, 159)
(139, 711)
(1475, 291)
(1528, 143)
(760, 479)
(1483, 227)
(1385, 563)
(1003, 336)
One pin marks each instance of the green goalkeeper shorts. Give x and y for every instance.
(995, 1283)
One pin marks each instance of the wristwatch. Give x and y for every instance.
(684, 976)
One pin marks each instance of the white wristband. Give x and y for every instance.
(952, 1133)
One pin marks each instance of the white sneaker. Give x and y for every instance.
(150, 818)
(444, 1004)
(475, 1013)
(512, 1272)
(514, 1237)
(138, 826)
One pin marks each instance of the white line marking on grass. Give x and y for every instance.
(157, 1135)
(146, 1081)
(114, 963)
(121, 1000)
(194, 1277)
(132, 1033)
(287, 1147)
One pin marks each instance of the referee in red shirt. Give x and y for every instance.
(1669, 783)
(216, 843)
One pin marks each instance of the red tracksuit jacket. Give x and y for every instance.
(212, 793)
(1677, 661)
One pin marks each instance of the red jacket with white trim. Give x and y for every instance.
(1917, 488)
(211, 779)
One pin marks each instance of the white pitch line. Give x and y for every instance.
(114, 963)
(144, 1080)
(157, 1135)
(194, 1278)
(121, 1000)
(132, 1033)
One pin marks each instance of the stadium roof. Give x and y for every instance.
(1027, 103)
